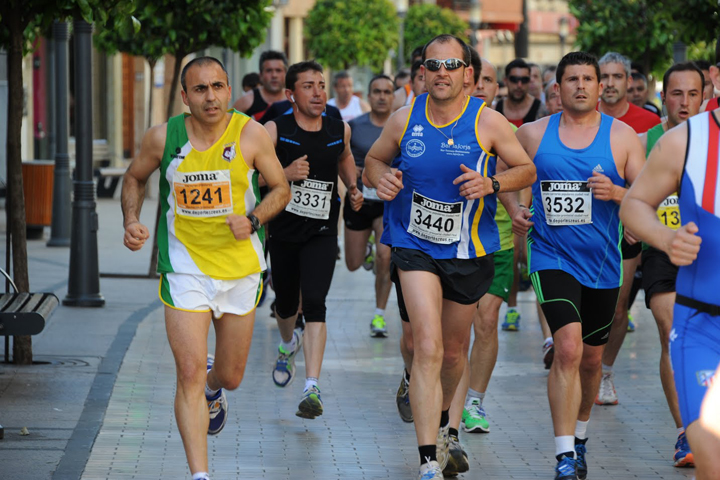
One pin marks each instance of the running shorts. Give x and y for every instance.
(659, 273)
(363, 218)
(630, 251)
(503, 280)
(200, 293)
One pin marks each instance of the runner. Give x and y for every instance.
(345, 100)
(583, 159)
(685, 160)
(406, 94)
(273, 66)
(519, 107)
(552, 96)
(536, 85)
(314, 149)
(210, 242)
(638, 93)
(369, 219)
(615, 77)
(441, 261)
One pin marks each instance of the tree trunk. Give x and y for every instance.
(152, 63)
(22, 345)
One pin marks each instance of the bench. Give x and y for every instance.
(107, 180)
(23, 314)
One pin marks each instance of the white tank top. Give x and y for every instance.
(352, 110)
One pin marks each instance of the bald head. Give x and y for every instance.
(487, 85)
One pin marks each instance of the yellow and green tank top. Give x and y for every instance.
(198, 190)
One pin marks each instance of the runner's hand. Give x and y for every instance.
(475, 186)
(298, 170)
(685, 245)
(521, 221)
(602, 186)
(239, 225)
(135, 235)
(356, 197)
(389, 185)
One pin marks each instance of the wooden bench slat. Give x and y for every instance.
(25, 313)
(34, 300)
(5, 299)
(48, 304)
(17, 303)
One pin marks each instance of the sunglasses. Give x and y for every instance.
(514, 79)
(434, 65)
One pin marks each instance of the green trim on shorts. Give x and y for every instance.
(535, 279)
(503, 279)
(164, 293)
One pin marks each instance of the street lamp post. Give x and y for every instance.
(402, 7)
(475, 21)
(563, 32)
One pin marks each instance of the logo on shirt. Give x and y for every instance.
(417, 131)
(598, 168)
(177, 155)
(565, 186)
(705, 377)
(229, 152)
(415, 148)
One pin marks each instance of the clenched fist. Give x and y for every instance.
(240, 226)
(135, 236)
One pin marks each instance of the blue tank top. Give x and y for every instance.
(699, 199)
(429, 214)
(573, 231)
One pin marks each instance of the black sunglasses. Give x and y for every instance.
(434, 65)
(514, 79)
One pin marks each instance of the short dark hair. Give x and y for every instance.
(272, 55)
(683, 67)
(576, 58)
(476, 63)
(447, 38)
(702, 64)
(379, 77)
(402, 73)
(517, 63)
(341, 75)
(417, 52)
(296, 69)
(415, 69)
(201, 61)
(251, 80)
(638, 76)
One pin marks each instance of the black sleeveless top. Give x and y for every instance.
(258, 107)
(323, 149)
(531, 116)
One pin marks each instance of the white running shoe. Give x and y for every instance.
(431, 471)
(607, 394)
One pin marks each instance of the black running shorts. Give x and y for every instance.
(659, 273)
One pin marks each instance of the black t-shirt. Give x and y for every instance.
(284, 107)
(320, 190)
(258, 107)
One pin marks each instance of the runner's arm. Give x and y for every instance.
(244, 103)
(385, 148)
(142, 166)
(521, 170)
(346, 162)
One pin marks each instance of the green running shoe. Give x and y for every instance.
(474, 418)
(311, 405)
(512, 320)
(377, 327)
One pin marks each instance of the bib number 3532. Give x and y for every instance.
(566, 202)
(435, 221)
(311, 198)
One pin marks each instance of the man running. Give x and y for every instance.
(440, 209)
(685, 160)
(583, 160)
(210, 242)
(349, 104)
(255, 103)
(638, 93)
(313, 149)
(405, 95)
(519, 107)
(369, 219)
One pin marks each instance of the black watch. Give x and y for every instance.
(254, 222)
(495, 184)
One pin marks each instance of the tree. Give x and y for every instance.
(342, 33)
(20, 22)
(696, 20)
(426, 21)
(642, 30)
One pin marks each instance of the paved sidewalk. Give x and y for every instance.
(103, 410)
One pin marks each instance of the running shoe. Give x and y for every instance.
(377, 327)
(474, 418)
(458, 459)
(430, 471)
(402, 398)
(631, 324)
(580, 462)
(548, 350)
(565, 469)
(512, 320)
(607, 394)
(369, 262)
(443, 446)
(217, 405)
(284, 372)
(683, 456)
(311, 405)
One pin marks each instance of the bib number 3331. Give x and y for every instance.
(435, 221)
(566, 202)
(203, 194)
(311, 198)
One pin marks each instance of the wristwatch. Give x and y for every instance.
(495, 184)
(254, 222)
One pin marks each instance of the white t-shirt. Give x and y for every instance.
(352, 110)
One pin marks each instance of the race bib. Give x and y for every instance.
(370, 194)
(669, 212)
(203, 194)
(311, 198)
(566, 202)
(435, 221)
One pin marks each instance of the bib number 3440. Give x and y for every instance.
(435, 221)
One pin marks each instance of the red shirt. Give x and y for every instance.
(639, 119)
(712, 104)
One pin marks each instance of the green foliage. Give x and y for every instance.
(342, 33)
(696, 20)
(426, 21)
(639, 29)
(701, 51)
